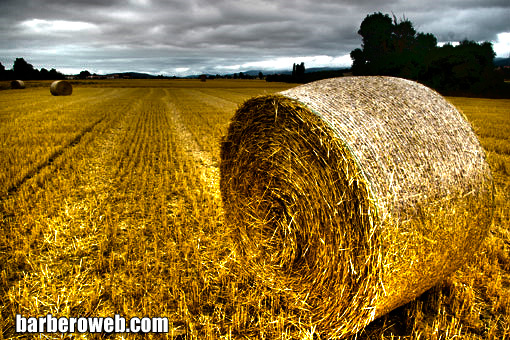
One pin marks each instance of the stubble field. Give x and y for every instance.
(110, 204)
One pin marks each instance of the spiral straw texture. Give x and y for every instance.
(351, 196)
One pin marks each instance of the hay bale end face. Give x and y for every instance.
(352, 196)
(17, 84)
(61, 88)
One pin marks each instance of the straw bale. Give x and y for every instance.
(61, 88)
(351, 196)
(17, 84)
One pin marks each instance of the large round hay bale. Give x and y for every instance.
(61, 88)
(352, 196)
(17, 84)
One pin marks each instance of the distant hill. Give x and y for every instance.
(288, 71)
(255, 73)
(311, 74)
(251, 73)
(133, 75)
(501, 62)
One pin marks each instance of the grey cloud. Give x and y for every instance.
(473, 24)
(162, 35)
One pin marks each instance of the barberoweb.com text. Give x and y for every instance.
(117, 324)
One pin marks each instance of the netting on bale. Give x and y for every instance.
(61, 88)
(352, 196)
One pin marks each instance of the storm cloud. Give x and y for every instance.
(193, 36)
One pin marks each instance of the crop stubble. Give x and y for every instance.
(128, 221)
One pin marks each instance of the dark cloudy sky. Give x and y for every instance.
(219, 36)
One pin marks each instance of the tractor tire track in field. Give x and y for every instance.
(51, 158)
(209, 170)
(109, 160)
(57, 129)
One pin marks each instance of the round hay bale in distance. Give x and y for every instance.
(352, 196)
(17, 84)
(61, 88)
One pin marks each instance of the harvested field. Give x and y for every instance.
(110, 205)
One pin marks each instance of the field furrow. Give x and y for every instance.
(135, 208)
(35, 137)
(207, 162)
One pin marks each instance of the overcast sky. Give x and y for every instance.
(180, 37)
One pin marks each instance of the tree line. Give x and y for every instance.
(392, 47)
(22, 70)
(299, 75)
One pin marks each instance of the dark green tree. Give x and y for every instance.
(403, 36)
(388, 47)
(44, 74)
(401, 55)
(54, 74)
(463, 69)
(394, 48)
(359, 62)
(84, 74)
(23, 70)
(376, 31)
(298, 72)
(2, 72)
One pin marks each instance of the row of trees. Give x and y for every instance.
(24, 71)
(298, 71)
(240, 75)
(393, 47)
(299, 75)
